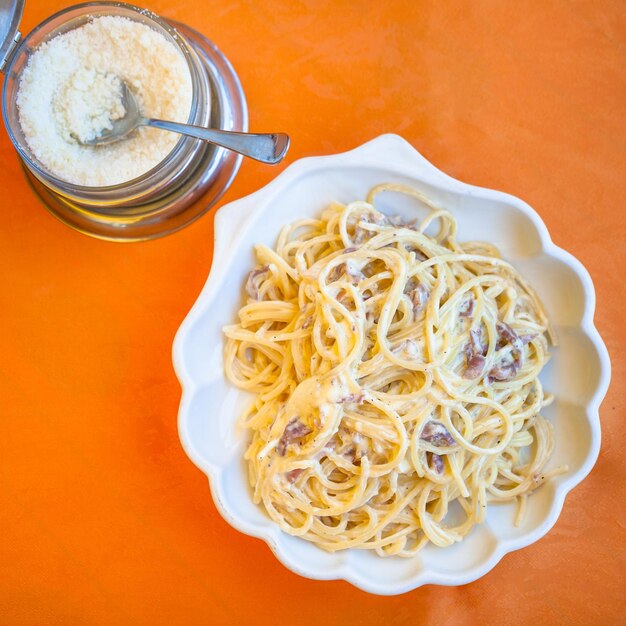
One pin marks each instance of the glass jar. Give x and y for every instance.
(185, 184)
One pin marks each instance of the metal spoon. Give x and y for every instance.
(267, 148)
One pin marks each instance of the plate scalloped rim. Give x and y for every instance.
(392, 152)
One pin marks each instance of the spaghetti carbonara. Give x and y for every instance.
(396, 380)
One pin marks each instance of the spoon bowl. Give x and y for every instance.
(265, 147)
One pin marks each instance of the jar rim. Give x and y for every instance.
(188, 54)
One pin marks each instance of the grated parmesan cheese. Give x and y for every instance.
(86, 103)
(69, 90)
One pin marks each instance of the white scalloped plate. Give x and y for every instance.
(578, 374)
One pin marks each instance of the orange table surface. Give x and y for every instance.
(103, 519)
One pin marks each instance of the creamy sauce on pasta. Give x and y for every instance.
(395, 373)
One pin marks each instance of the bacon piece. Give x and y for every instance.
(353, 454)
(474, 367)
(330, 446)
(362, 234)
(507, 367)
(477, 346)
(395, 221)
(293, 474)
(507, 335)
(475, 353)
(466, 309)
(377, 218)
(418, 294)
(436, 434)
(255, 278)
(352, 398)
(307, 322)
(348, 269)
(294, 432)
(398, 222)
(436, 462)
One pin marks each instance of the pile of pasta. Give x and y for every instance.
(395, 377)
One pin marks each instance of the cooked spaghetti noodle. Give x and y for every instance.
(396, 377)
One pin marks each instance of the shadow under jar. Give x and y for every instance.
(185, 184)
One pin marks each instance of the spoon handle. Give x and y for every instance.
(267, 148)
